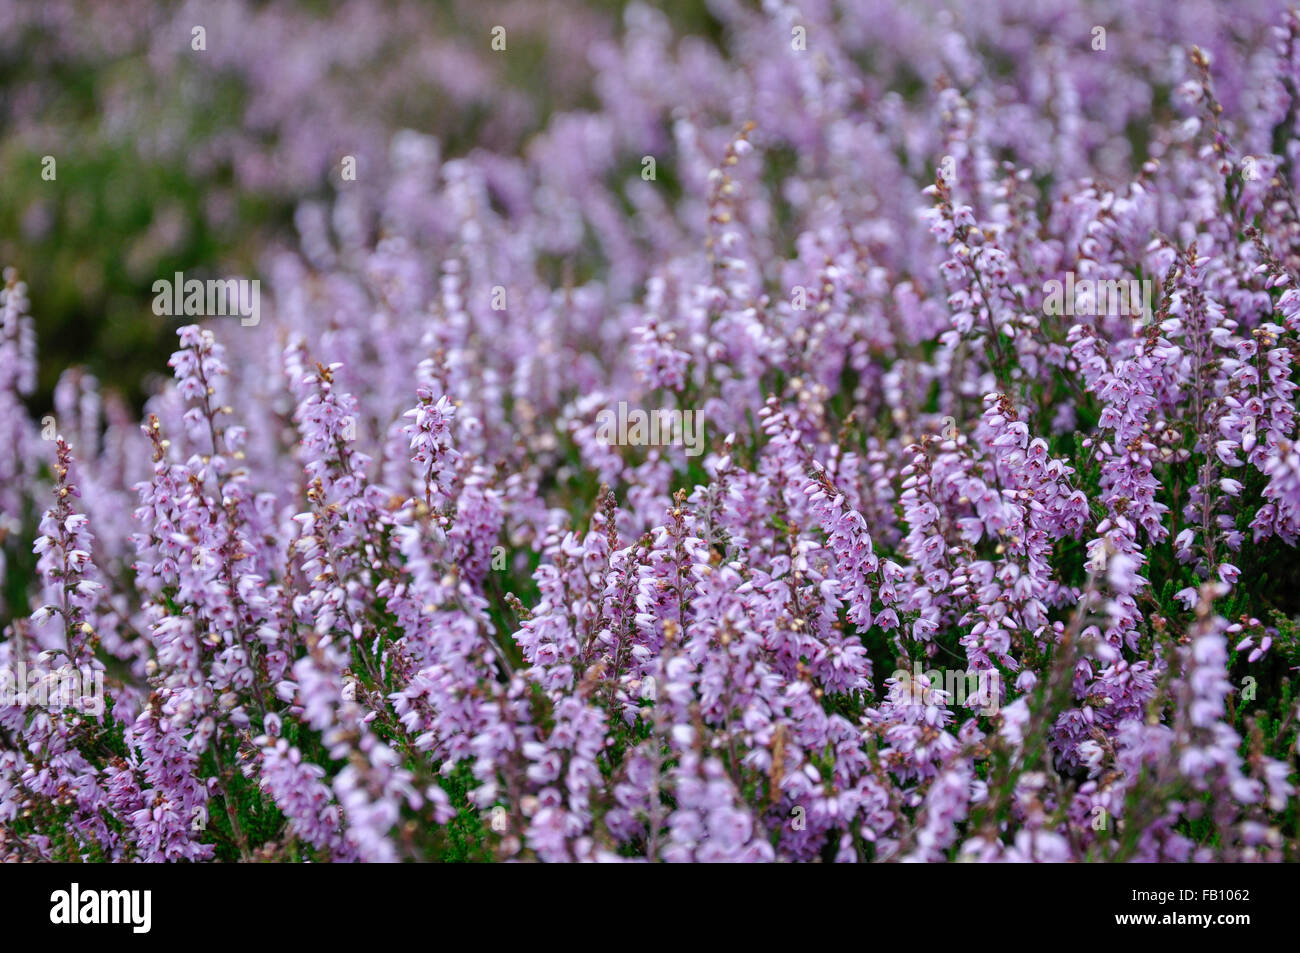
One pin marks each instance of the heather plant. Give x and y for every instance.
(140, 138)
(371, 580)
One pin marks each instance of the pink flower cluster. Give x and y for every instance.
(365, 582)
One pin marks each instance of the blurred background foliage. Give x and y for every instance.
(171, 159)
